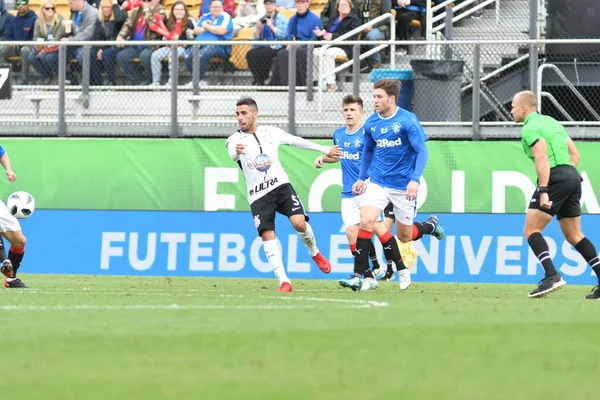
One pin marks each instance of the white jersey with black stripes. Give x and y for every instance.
(260, 160)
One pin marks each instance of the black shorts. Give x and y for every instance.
(283, 200)
(389, 212)
(564, 191)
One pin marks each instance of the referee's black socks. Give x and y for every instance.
(540, 248)
(588, 251)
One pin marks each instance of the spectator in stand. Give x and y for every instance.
(301, 28)
(48, 27)
(228, 7)
(20, 28)
(272, 26)
(178, 23)
(78, 28)
(214, 26)
(369, 10)
(110, 21)
(330, 11)
(5, 18)
(346, 21)
(406, 12)
(247, 13)
(137, 28)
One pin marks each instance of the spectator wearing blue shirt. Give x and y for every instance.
(20, 28)
(300, 28)
(215, 26)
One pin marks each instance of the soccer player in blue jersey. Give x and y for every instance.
(351, 139)
(394, 157)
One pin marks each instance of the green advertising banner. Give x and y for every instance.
(197, 174)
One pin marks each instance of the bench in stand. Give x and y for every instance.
(195, 101)
(36, 99)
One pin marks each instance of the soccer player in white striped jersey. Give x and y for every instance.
(255, 148)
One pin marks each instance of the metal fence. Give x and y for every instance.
(458, 89)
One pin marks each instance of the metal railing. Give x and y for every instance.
(483, 98)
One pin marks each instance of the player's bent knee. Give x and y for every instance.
(404, 238)
(299, 226)
(16, 239)
(573, 239)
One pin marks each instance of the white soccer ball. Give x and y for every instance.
(21, 204)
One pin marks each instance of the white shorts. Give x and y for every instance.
(8, 223)
(378, 196)
(351, 210)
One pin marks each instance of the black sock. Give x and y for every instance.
(422, 229)
(588, 251)
(540, 249)
(361, 259)
(2, 250)
(389, 265)
(15, 256)
(369, 273)
(373, 256)
(392, 252)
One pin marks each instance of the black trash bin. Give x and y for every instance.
(437, 85)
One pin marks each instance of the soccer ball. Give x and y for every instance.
(21, 204)
(409, 253)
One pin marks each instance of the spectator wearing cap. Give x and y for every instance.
(301, 28)
(272, 26)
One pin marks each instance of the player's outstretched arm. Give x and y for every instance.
(325, 159)
(5, 161)
(301, 143)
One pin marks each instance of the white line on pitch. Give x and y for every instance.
(75, 307)
(367, 303)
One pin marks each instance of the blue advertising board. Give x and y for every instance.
(477, 247)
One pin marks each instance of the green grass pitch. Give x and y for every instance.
(94, 337)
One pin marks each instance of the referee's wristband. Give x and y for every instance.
(543, 189)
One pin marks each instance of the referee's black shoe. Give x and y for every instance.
(547, 285)
(594, 295)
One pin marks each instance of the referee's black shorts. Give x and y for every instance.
(564, 191)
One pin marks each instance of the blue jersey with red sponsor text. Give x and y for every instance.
(393, 139)
(352, 144)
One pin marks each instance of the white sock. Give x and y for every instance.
(308, 237)
(274, 257)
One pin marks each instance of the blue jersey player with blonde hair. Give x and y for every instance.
(351, 139)
(393, 158)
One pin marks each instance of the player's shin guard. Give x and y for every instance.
(391, 250)
(539, 246)
(363, 246)
(308, 237)
(274, 256)
(589, 253)
(420, 229)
